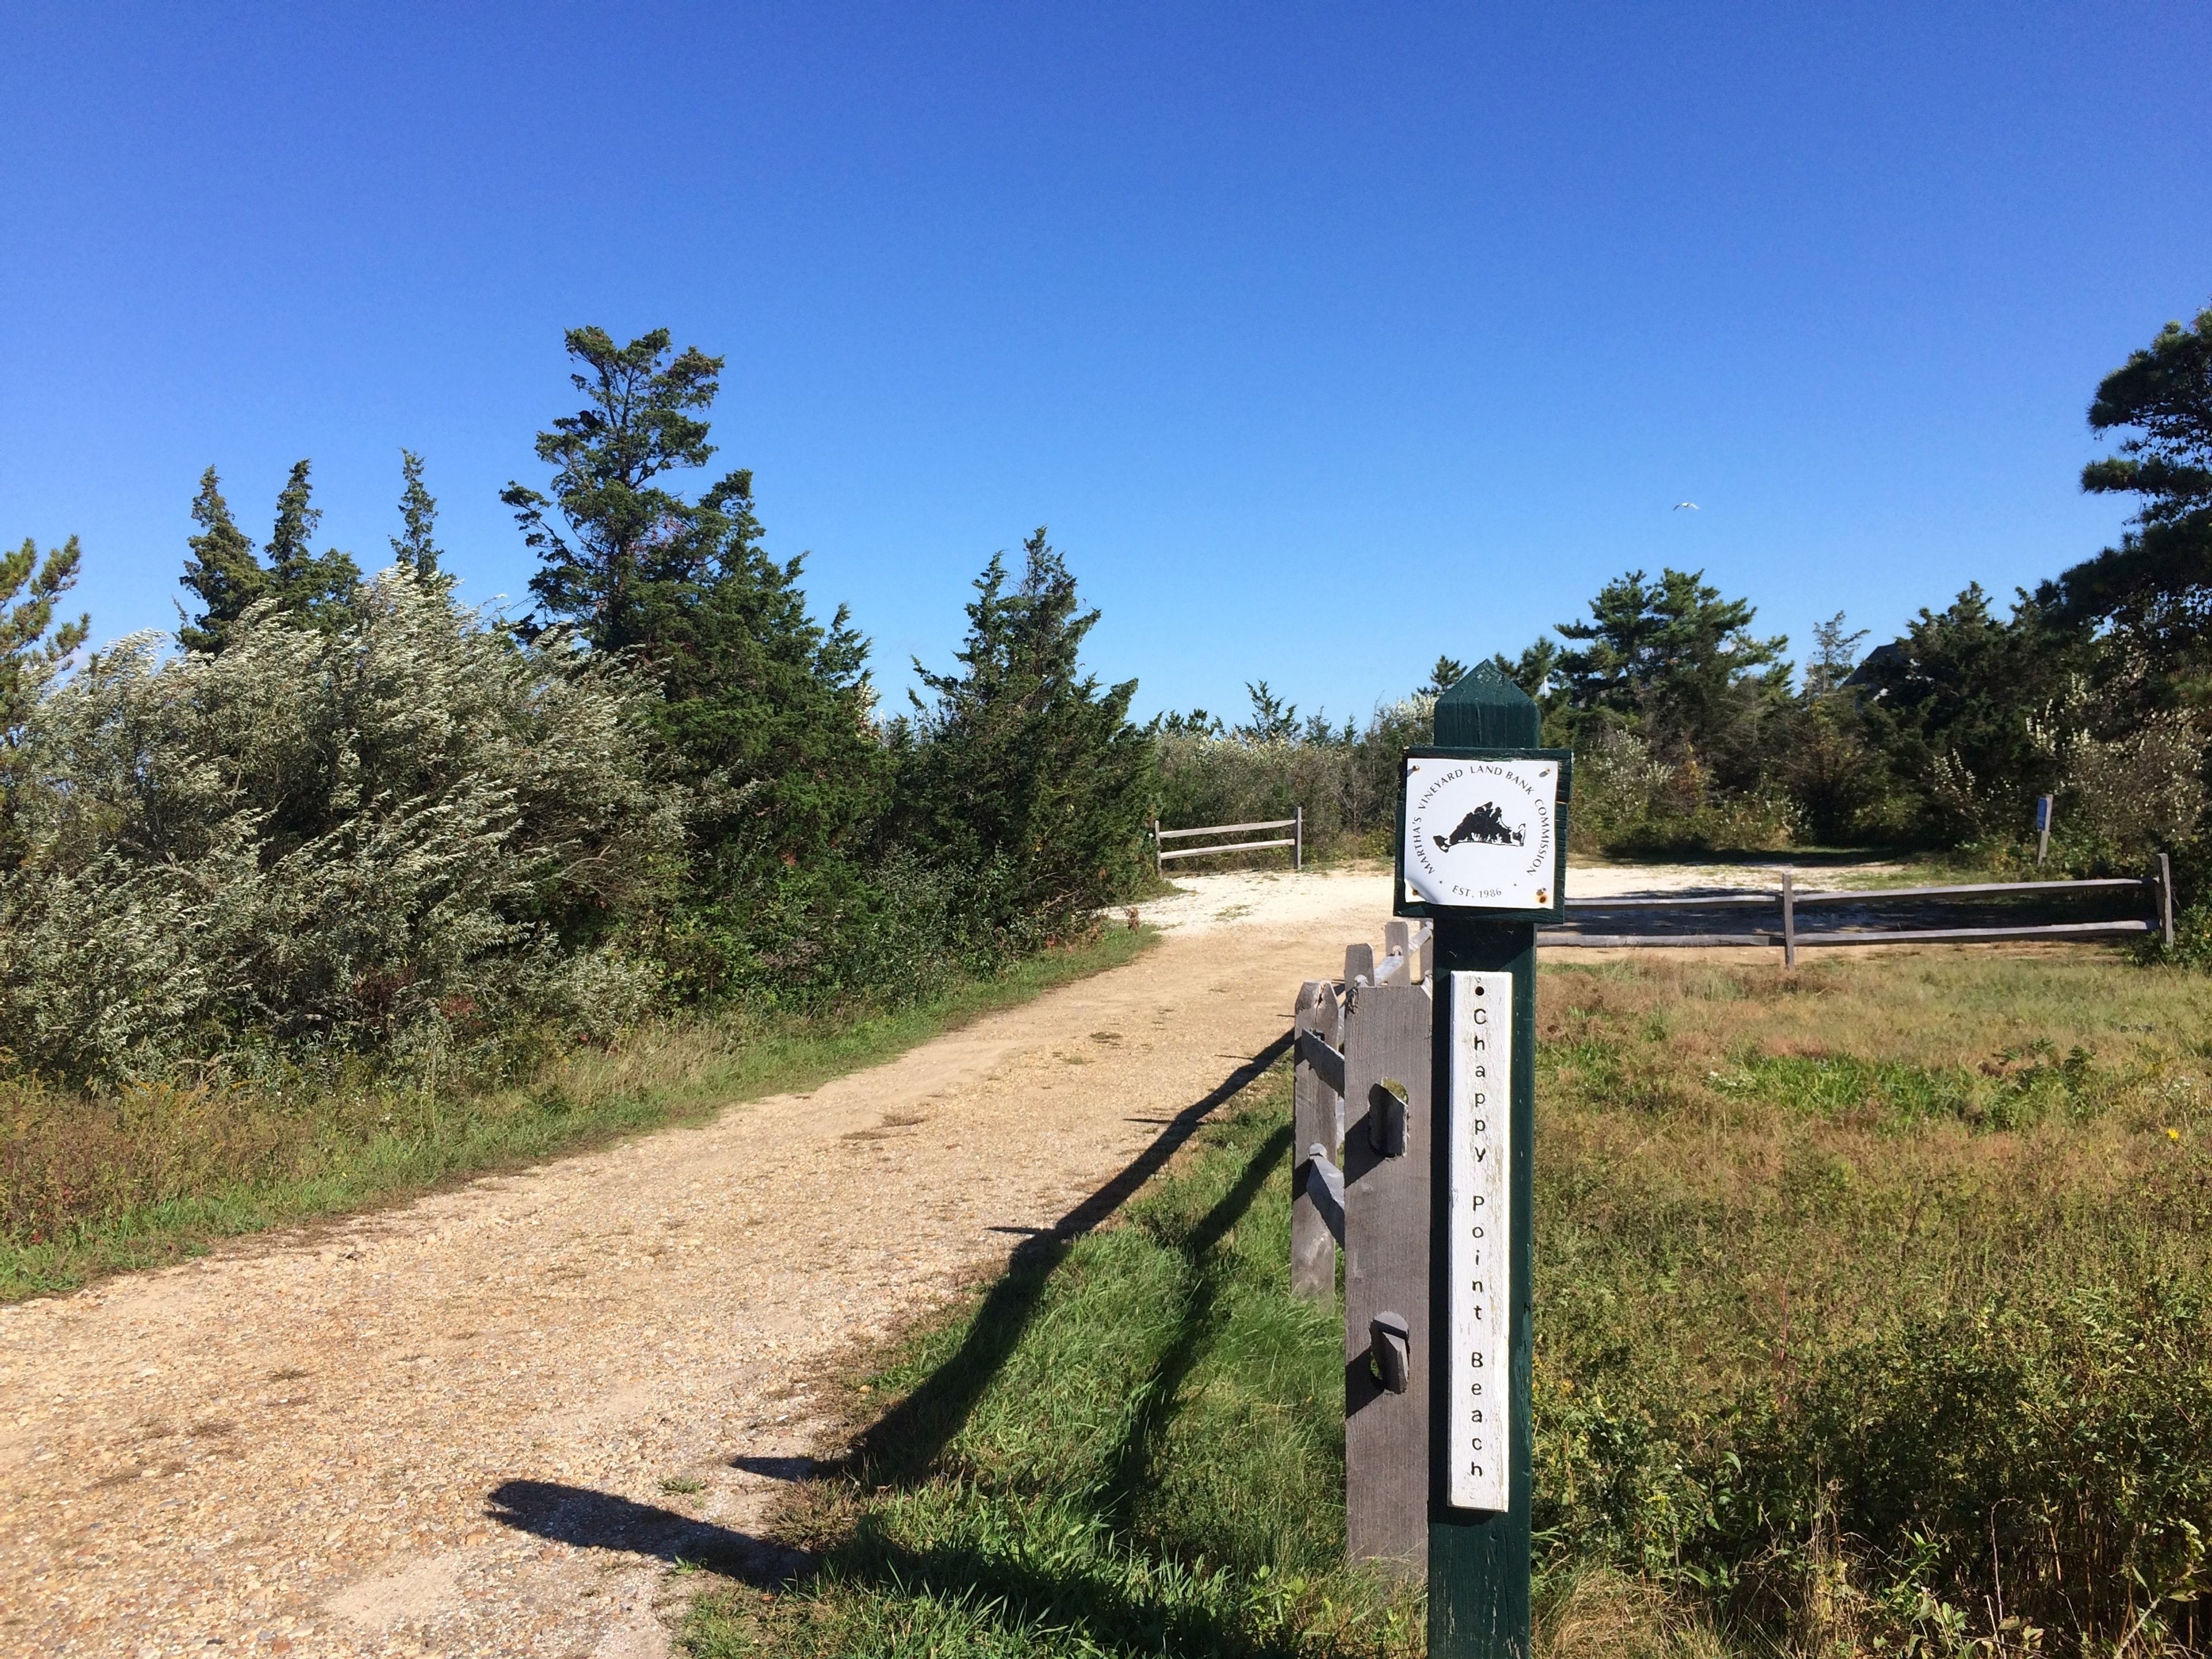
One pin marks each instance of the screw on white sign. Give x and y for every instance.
(1478, 833)
(1479, 1258)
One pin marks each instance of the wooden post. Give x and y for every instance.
(1479, 1560)
(1387, 1178)
(1359, 967)
(1159, 864)
(1297, 838)
(2166, 899)
(1316, 1120)
(1789, 919)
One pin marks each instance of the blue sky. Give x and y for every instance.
(1324, 338)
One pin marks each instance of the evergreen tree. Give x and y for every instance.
(1273, 720)
(756, 694)
(2162, 397)
(1677, 662)
(221, 570)
(755, 691)
(1447, 672)
(1535, 670)
(32, 652)
(316, 588)
(1835, 653)
(416, 547)
(1953, 704)
(624, 532)
(1022, 768)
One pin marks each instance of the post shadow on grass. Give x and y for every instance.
(1014, 1590)
(1157, 1400)
(585, 1519)
(900, 1448)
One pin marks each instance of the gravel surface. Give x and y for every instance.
(488, 1422)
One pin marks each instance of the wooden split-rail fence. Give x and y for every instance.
(2153, 892)
(1362, 1084)
(1295, 841)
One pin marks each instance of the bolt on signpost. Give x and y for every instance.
(1481, 850)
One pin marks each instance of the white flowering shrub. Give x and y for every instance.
(374, 836)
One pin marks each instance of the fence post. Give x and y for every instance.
(1397, 941)
(1297, 838)
(1789, 919)
(1159, 864)
(1317, 1119)
(1479, 1558)
(2166, 899)
(1358, 968)
(1387, 1182)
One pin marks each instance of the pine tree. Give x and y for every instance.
(624, 531)
(755, 691)
(32, 652)
(316, 588)
(222, 568)
(1023, 765)
(416, 547)
(756, 694)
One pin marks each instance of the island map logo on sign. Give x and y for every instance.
(1478, 833)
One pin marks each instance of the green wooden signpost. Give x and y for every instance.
(1482, 851)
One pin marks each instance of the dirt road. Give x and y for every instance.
(486, 1423)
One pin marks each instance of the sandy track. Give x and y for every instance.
(446, 1429)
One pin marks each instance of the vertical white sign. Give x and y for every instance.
(1480, 1255)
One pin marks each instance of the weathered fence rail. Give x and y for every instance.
(1295, 841)
(1360, 1115)
(2156, 892)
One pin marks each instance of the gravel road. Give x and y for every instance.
(488, 1421)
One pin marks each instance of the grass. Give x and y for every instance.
(93, 1186)
(1131, 1444)
(1872, 1298)
(1872, 1318)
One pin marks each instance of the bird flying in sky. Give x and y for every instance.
(1678, 506)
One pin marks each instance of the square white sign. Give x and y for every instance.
(1478, 833)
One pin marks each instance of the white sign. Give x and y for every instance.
(1479, 832)
(1480, 1234)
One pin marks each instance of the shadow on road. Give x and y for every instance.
(585, 1519)
(900, 1446)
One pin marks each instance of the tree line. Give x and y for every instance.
(343, 814)
(1693, 731)
(349, 815)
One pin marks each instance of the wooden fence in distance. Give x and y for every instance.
(1295, 841)
(2157, 890)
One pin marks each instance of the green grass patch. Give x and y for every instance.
(1872, 1304)
(96, 1185)
(1132, 1444)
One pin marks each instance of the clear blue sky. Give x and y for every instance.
(1325, 338)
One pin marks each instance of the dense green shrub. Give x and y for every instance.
(404, 830)
(1023, 779)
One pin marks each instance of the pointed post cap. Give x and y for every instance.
(1485, 710)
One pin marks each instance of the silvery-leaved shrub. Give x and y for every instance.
(375, 837)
